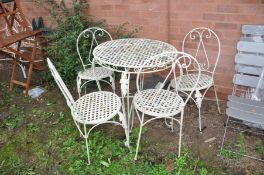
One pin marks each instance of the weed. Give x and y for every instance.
(32, 127)
(259, 147)
(203, 171)
(237, 155)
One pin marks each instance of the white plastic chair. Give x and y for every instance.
(92, 72)
(202, 39)
(91, 109)
(162, 103)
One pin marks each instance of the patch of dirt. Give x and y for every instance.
(158, 141)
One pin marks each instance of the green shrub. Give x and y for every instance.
(70, 22)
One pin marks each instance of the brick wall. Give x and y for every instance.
(170, 20)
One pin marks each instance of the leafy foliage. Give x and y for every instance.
(70, 22)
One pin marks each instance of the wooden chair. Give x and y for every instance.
(12, 15)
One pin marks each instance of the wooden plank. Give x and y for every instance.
(18, 83)
(256, 30)
(242, 115)
(245, 101)
(245, 107)
(246, 80)
(253, 47)
(249, 59)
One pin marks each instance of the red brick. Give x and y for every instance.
(224, 17)
(213, 17)
(227, 8)
(226, 26)
(238, 18)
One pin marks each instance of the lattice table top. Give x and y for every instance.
(129, 54)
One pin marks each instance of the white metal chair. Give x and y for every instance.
(91, 109)
(207, 52)
(162, 103)
(91, 37)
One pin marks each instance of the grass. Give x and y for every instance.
(39, 137)
(240, 147)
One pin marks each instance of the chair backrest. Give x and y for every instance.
(204, 44)
(87, 40)
(249, 60)
(60, 83)
(171, 65)
(253, 30)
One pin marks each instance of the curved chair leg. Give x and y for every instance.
(217, 101)
(112, 80)
(87, 150)
(199, 99)
(79, 82)
(132, 113)
(223, 140)
(169, 125)
(180, 136)
(139, 136)
(98, 85)
(200, 120)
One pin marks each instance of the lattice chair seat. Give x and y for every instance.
(158, 102)
(96, 107)
(92, 109)
(162, 103)
(187, 81)
(95, 73)
(91, 38)
(206, 48)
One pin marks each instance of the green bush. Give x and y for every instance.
(62, 42)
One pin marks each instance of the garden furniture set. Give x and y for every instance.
(136, 57)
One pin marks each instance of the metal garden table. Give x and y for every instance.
(127, 56)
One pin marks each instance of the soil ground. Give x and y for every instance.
(158, 140)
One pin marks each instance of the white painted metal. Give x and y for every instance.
(91, 71)
(203, 39)
(91, 109)
(127, 56)
(161, 103)
(129, 53)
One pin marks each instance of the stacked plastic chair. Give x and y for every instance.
(245, 107)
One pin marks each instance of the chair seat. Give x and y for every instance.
(189, 80)
(158, 102)
(96, 73)
(96, 107)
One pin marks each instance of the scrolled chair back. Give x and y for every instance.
(88, 39)
(204, 44)
(171, 65)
